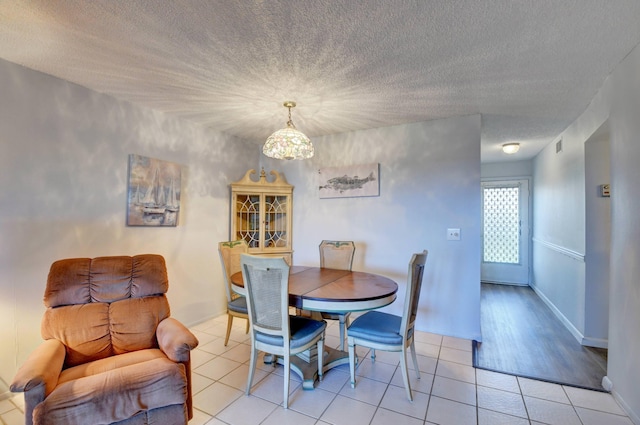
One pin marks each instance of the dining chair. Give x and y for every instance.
(236, 304)
(273, 330)
(337, 255)
(383, 331)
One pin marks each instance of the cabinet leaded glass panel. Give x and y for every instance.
(248, 216)
(275, 224)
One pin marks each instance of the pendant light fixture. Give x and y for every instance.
(288, 143)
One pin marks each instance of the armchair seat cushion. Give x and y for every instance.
(115, 392)
(110, 363)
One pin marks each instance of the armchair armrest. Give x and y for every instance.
(42, 368)
(175, 340)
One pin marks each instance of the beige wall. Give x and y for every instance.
(63, 173)
(429, 181)
(63, 170)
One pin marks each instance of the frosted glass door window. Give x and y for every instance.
(501, 225)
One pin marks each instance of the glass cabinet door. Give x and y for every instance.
(248, 219)
(276, 232)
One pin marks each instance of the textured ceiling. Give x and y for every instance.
(529, 67)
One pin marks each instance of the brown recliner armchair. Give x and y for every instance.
(111, 352)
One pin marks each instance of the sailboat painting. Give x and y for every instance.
(153, 197)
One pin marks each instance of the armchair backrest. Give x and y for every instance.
(337, 254)
(230, 258)
(104, 306)
(412, 297)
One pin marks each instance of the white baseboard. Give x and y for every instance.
(496, 282)
(595, 342)
(202, 320)
(5, 393)
(574, 331)
(608, 385)
(587, 341)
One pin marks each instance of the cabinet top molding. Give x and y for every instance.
(279, 180)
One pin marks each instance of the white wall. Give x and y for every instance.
(63, 173)
(523, 168)
(559, 218)
(558, 271)
(624, 336)
(429, 181)
(598, 239)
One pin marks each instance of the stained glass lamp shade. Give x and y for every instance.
(288, 143)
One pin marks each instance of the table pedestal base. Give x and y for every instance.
(308, 371)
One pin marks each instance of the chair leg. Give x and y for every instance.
(373, 355)
(405, 373)
(247, 330)
(352, 362)
(287, 375)
(320, 358)
(252, 368)
(415, 358)
(229, 323)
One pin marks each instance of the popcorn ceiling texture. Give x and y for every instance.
(529, 67)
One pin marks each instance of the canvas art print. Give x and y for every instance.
(349, 181)
(153, 192)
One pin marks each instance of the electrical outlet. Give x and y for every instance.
(453, 234)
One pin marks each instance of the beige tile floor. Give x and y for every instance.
(450, 391)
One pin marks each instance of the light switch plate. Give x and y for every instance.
(453, 234)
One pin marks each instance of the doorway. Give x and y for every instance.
(505, 236)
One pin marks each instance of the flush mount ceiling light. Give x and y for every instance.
(288, 143)
(510, 148)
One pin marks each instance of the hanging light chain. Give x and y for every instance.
(290, 105)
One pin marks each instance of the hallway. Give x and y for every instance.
(522, 336)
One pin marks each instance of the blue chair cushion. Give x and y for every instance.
(302, 331)
(239, 305)
(378, 327)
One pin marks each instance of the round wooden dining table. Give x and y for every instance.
(317, 289)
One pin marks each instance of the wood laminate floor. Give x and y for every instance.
(521, 336)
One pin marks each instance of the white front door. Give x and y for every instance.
(505, 238)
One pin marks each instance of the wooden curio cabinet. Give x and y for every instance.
(261, 214)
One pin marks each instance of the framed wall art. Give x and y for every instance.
(349, 181)
(153, 195)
